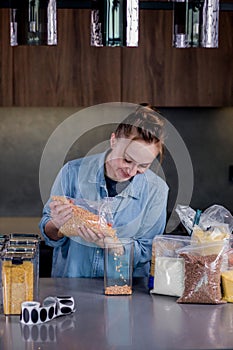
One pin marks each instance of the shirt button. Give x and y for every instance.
(97, 251)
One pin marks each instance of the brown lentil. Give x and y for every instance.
(202, 279)
(118, 290)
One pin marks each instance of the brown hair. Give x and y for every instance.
(144, 124)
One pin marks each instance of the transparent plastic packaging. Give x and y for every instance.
(94, 215)
(118, 267)
(202, 267)
(19, 271)
(213, 235)
(167, 268)
(227, 285)
(186, 215)
(227, 276)
(19, 280)
(215, 217)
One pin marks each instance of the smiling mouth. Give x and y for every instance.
(124, 174)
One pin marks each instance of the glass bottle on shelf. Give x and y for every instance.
(187, 23)
(180, 24)
(195, 22)
(115, 23)
(33, 22)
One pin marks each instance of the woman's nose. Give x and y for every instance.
(132, 169)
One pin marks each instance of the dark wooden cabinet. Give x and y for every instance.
(75, 74)
(157, 72)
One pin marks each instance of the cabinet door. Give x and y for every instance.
(75, 74)
(70, 74)
(157, 73)
(6, 60)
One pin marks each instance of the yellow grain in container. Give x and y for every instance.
(227, 285)
(18, 280)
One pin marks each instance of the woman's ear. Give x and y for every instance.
(113, 140)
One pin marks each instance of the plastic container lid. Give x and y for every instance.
(18, 256)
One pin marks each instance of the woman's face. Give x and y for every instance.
(129, 157)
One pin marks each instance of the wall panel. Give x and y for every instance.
(24, 132)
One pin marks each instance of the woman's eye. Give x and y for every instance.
(127, 161)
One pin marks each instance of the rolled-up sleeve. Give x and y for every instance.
(60, 188)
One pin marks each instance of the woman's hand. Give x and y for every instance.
(60, 213)
(91, 236)
(101, 240)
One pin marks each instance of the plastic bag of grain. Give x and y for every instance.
(227, 276)
(167, 268)
(202, 273)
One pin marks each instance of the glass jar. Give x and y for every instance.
(19, 279)
(118, 267)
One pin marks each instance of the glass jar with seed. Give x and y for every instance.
(118, 266)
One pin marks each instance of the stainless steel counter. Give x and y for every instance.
(140, 321)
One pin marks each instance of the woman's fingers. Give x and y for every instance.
(60, 213)
(89, 235)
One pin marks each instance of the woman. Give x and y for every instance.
(139, 198)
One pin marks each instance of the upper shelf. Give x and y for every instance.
(227, 5)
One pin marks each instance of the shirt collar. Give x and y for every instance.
(97, 170)
(135, 187)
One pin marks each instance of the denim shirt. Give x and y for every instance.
(138, 212)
